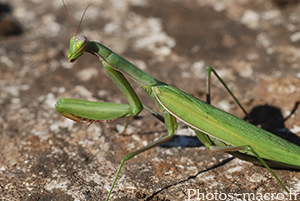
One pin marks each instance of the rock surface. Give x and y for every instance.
(254, 45)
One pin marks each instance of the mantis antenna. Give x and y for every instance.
(81, 20)
(70, 19)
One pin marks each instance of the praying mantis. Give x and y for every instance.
(216, 129)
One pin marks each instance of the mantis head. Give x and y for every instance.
(78, 45)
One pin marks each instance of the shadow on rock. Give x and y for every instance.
(271, 119)
(8, 25)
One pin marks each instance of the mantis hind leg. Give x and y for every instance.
(248, 148)
(210, 70)
(205, 139)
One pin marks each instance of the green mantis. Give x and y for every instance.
(216, 129)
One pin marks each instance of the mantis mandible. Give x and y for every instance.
(216, 129)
